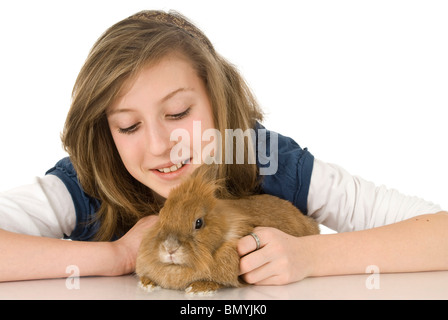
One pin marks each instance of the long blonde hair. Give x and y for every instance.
(117, 56)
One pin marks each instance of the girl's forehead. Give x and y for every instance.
(158, 82)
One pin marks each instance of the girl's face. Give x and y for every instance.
(165, 96)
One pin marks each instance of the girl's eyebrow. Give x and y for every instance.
(118, 110)
(173, 93)
(163, 100)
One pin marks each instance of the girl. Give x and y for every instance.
(146, 77)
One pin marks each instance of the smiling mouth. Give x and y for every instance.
(174, 167)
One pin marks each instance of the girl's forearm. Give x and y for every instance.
(24, 257)
(416, 244)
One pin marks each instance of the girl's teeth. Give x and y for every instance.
(173, 168)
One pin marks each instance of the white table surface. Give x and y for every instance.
(421, 285)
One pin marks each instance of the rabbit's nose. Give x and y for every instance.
(171, 250)
(171, 246)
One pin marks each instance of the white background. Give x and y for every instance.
(363, 84)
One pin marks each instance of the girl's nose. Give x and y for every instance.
(157, 140)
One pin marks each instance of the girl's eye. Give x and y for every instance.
(179, 116)
(129, 130)
(134, 127)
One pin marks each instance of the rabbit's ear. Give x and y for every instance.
(207, 177)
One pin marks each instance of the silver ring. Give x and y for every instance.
(257, 240)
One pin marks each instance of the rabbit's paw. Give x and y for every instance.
(202, 288)
(148, 285)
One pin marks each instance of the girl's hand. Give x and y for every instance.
(127, 246)
(281, 259)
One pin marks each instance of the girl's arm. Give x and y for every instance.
(377, 226)
(24, 257)
(417, 244)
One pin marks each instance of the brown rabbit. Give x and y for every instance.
(193, 244)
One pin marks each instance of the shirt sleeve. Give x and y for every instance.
(43, 208)
(287, 169)
(85, 206)
(344, 202)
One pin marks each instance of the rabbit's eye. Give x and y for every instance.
(199, 223)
